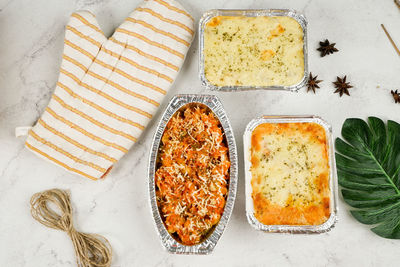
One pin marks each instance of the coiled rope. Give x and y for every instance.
(92, 250)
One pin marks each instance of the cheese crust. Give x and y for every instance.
(290, 174)
(253, 51)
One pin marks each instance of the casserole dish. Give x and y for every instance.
(293, 187)
(253, 49)
(172, 239)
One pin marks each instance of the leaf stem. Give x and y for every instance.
(380, 167)
(385, 208)
(396, 172)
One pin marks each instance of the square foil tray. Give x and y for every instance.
(305, 229)
(209, 243)
(300, 18)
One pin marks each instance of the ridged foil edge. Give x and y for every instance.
(300, 18)
(168, 242)
(299, 229)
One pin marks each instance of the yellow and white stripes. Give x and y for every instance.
(109, 89)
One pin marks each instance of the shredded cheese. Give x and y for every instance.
(193, 173)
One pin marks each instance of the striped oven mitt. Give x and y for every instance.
(109, 89)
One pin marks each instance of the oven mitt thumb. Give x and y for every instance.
(109, 89)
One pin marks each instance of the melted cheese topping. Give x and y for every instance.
(253, 51)
(290, 174)
(193, 173)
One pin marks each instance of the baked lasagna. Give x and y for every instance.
(290, 174)
(253, 51)
(192, 174)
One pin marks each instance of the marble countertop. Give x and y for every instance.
(30, 53)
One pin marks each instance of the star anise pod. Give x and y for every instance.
(312, 83)
(327, 48)
(342, 86)
(396, 96)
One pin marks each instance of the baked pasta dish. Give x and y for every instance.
(290, 174)
(253, 51)
(192, 174)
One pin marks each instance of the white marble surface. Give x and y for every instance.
(30, 50)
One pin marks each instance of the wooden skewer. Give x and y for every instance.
(397, 2)
(390, 39)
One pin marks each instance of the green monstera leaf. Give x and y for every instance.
(368, 164)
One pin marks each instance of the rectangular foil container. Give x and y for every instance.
(252, 13)
(301, 229)
(168, 242)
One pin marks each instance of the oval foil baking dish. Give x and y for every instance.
(207, 245)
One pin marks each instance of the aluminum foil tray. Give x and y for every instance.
(169, 243)
(307, 229)
(300, 18)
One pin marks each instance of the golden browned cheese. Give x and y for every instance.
(290, 174)
(253, 51)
